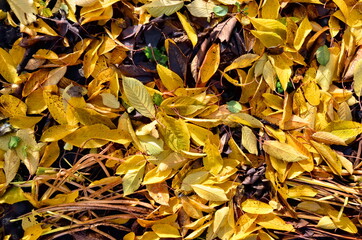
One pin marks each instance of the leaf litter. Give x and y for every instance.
(186, 120)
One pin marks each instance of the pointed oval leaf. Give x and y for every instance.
(170, 79)
(159, 7)
(190, 31)
(256, 207)
(210, 193)
(210, 64)
(283, 151)
(138, 97)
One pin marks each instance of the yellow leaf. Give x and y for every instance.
(166, 230)
(210, 64)
(133, 168)
(11, 165)
(312, 93)
(51, 154)
(220, 219)
(24, 121)
(57, 132)
(159, 193)
(357, 78)
(183, 105)
(342, 222)
(273, 101)
(109, 100)
(61, 198)
(256, 207)
(330, 156)
(302, 32)
(347, 164)
(271, 221)
(194, 234)
(46, 54)
(91, 57)
(95, 136)
(282, 66)
(42, 27)
(194, 178)
(106, 181)
(190, 31)
(302, 191)
(201, 8)
(326, 223)
(55, 106)
(138, 96)
(88, 116)
(24, 10)
(28, 149)
(269, 75)
(270, 9)
(248, 140)
(156, 176)
(175, 132)
(34, 81)
(55, 76)
(269, 25)
(35, 102)
(12, 106)
(343, 7)
(243, 61)
(210, 193)
(268, 39)
(346, 130)
(283, 151)
(213, 160)
(328, 138)
(159, 7)
(170, 79)
(245, 119)
(12, 195)
(33, 232)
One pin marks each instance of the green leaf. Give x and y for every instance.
(13, 142)
(234, 106)
(323, 55)
(138, 97)
(220, 11)
(157, 99)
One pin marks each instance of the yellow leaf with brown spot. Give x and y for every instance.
(55, 105)
(12, 106)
